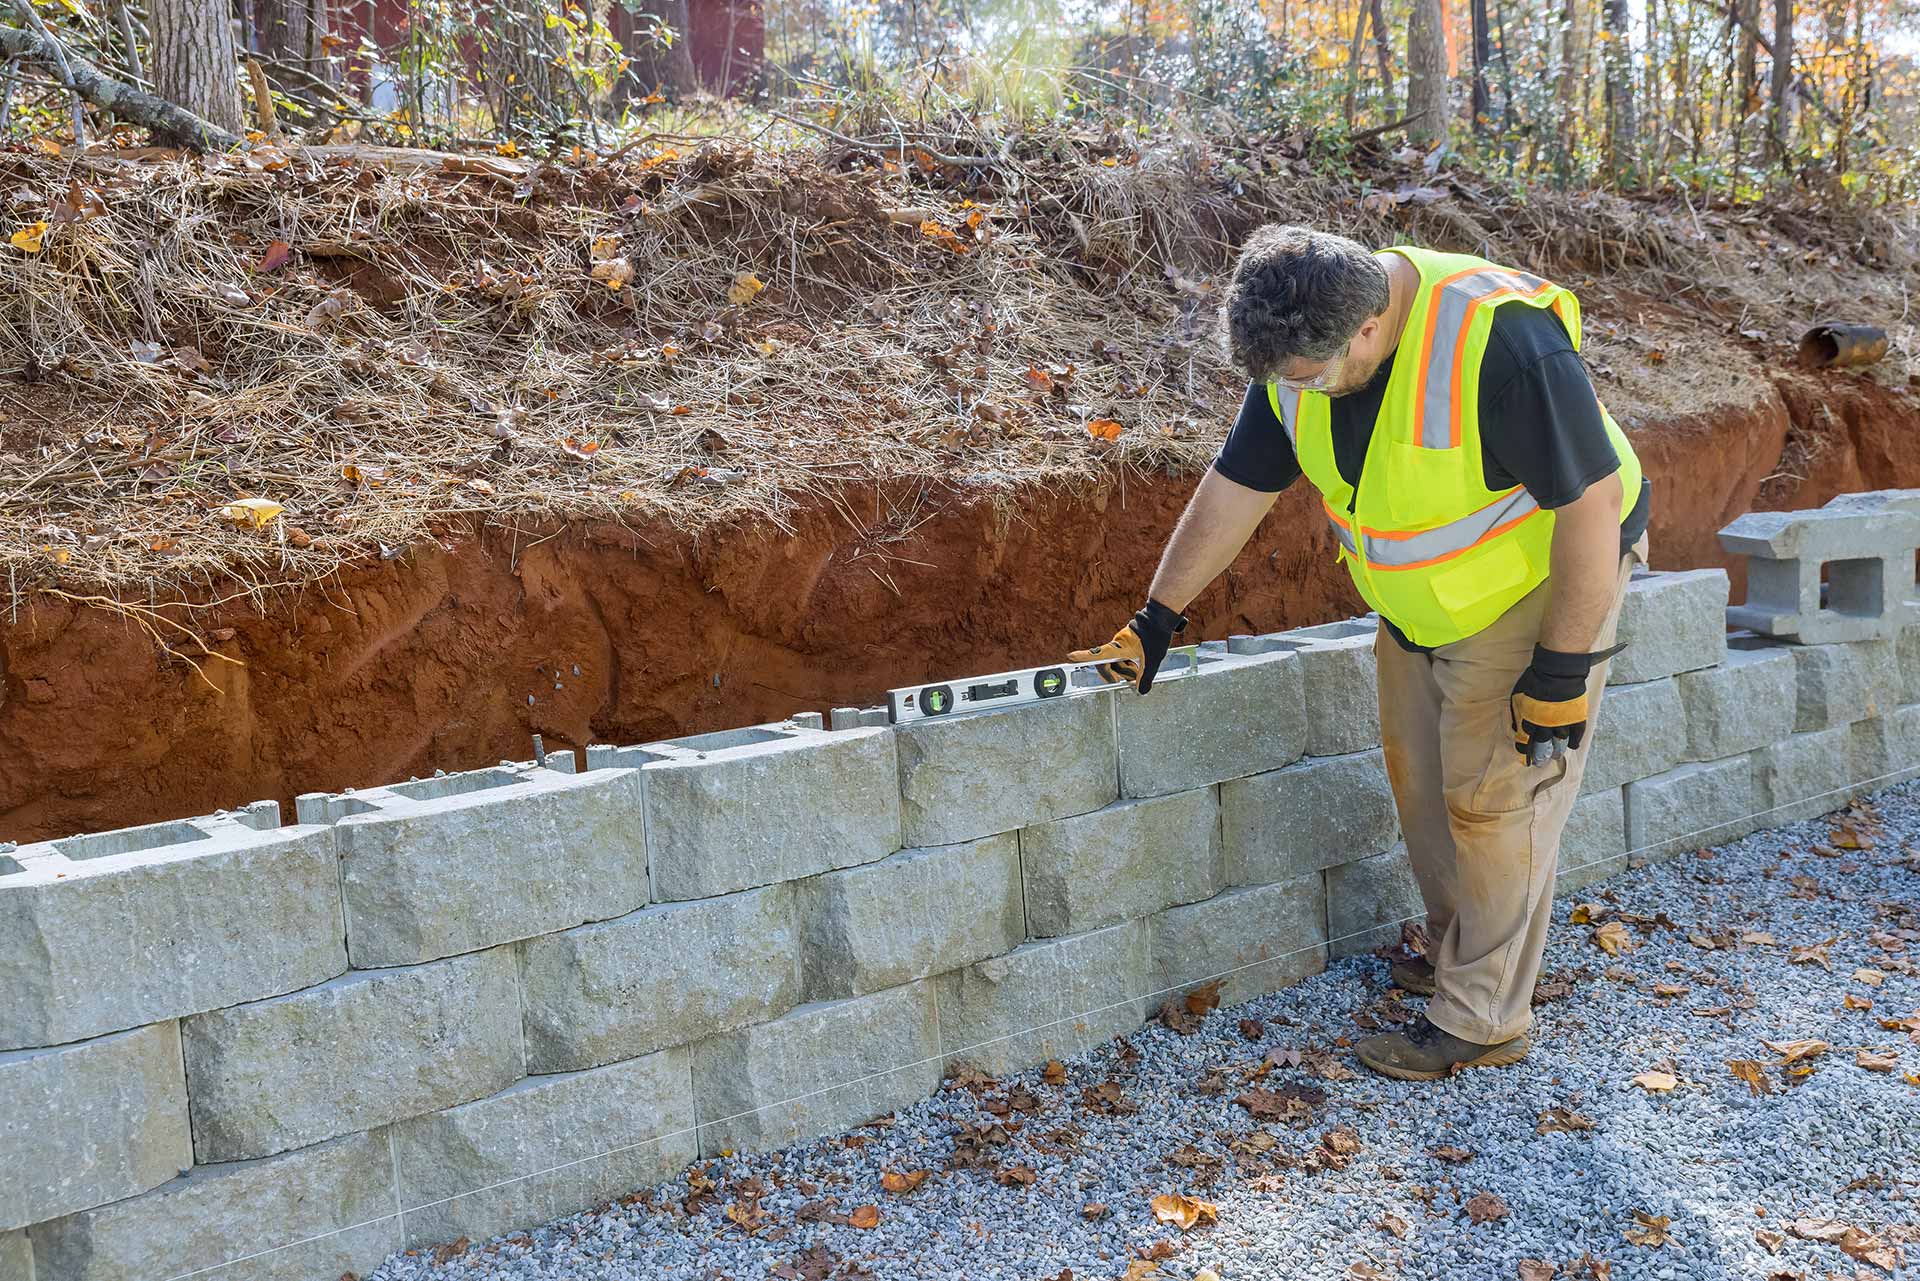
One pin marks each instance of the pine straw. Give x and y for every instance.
(154, 373)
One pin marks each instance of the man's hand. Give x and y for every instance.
(1136, 651)
(1548, 706)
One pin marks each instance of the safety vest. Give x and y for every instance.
(1429, 545)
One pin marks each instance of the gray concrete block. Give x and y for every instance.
(1689, 807)
(982, 773)
(1743, 704)
(467, 861)
(665, 975)
(1593, 845)
(745, 808)
(1907, 656)
(1802, 776)
(1239, 714)
(1868, 557)
(359, 1051)
(820, 1068)
(1368, 899)
(1255, 939)
(1341, 687)
(1290, 822)
(1670, 623)
(545, 1147)
(1884, 750)
(1639, 731)
(275, 1219)
(1045, 1000)
(125, 928)
(90, 1122)
(912, 914)
(1844, 682)
(1130, 859)
(16, 1256)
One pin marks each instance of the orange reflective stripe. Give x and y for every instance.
(1412, 549)
(1460, 346)
(1451, 305)
(1491, 534)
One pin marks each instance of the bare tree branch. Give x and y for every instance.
(176, 124)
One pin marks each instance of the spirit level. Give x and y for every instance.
(1010, 689)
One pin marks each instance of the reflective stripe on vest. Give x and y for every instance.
(1450, 311)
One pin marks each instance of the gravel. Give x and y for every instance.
(1720, 1162)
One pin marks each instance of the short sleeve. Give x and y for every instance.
(1543, 428)
(1257, 453)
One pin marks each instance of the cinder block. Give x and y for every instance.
(1045, 1000)
(1885, 750)
(360, 1051)
(16, 1256)
(1130, 859)
(979, 774)
(1802, 776)
(467, 861)
(1670, 623)
(1593, 845)
(912, 914)
(1744, 703)
(1844, 682)
(1639, 731)
(1290, 822)
(308, 1215)
(1907, 655)
(1868, 556)
(1256, 939)
(545, 1147)
(90, 1122)
(745, 808)
(1239, 714)
(1368, 899)
(665, 975)
(1688, 807)
(118, 930)
(820, 1068)
(1341, 688)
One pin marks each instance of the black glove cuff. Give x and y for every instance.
(1556, 662)
(1161, 619)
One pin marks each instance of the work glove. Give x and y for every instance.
(1548, 707)
(1136, 651)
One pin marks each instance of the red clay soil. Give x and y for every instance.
(452, 659)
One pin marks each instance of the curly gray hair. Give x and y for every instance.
(1300, 294)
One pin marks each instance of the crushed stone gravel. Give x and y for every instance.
(1345, 1183)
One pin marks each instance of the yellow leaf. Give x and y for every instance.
(1582, 914)
(603, 248)
(1872, 978)
(1613, 939)
(865, 1216)
(1108, 161)
(901, 1184)
(27, 239)
(1172, 1207)
(1656, 1082)
(507, 148)
(1103, 429)
(659, 158)
(254, 513)
(1793, 1051)
(47, 146)
(745, 285)
(1140, 1268)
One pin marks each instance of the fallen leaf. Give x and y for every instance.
(28, 239)
(1093, 1210)
(275, 257)
(1205, 999)
(1485, 1207)
(1613, 939)
(1536, 1270)
(1398, 1226)
(1853, 1002)
(1826, 1231)
(1185, 1211)
(864, 1216)
(1450, 1154)
(1771, 1240)
(1753, 1073)
(1811, 954)
(1016, 1176)
(1361, 1270)
(1656, 1082)
(1561, 1120)
(1874, 1061)
(1103, 429)
(614, 273)
(450, 1250)
(1252, 1029)
(1140, 1268)
(480, 486)
(1650, 1230)
(743, 289)
(254, 513)
(1872, 978)
(1055, 1072)
(576, 448)
(1667, 991)
(1794, 1051)
(328, 309)
(1759, 938)
(901, 1184)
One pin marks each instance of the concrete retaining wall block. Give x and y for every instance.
(1841, 683)
(1291, 822)
(357, 1052)
(1240, 714)
(16, 1256)
(1368, 899)
(1640, 731)
(822, 1067)
(126, 928)
(665, 975)
(912, 914)
(1594, 844)
(1670, 623)
(1745, 703)
(1802, 776)
(90, 1122)
(544, 1141)
(1129, 859)
(221, 1213)
(990, 772)
(1256, 939)
(1868, 556)
(1342, 694)
(1044, 1000)
(1907, 655)
(1688, 807)
(1885, 750)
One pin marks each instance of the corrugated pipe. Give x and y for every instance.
(1831, 345)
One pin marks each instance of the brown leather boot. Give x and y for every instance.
(1426, 1053)
(1415, 976)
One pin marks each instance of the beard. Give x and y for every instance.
(1354, 375)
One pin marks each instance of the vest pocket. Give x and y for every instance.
(1496, 570)
(1421, 488)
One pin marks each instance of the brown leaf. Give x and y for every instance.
(1536, 1270)
(1771, 1240)
(1398, 1226)
(1794, 1051)
(1012, 1176)
(1205, 999)
(1140, 1268)
(1186, 1211)
(1811, 954)
(1103, 428)
(1093, 1210)
(1872, 978)
(1613, 939)
(1656, 1082)
(1252, 1029)
(1853, 1002)
(1361, 1270)
(1289, 1103)
(275, 257)
(1595, 1269)
(1753, 1073)
(1827, 1231)
(1485, 1207)
(1650, 1230)
(1875, 1061)
(901, 1184)
(1055, 1072)
(864, 1217)
(1450, 1154)
(450, 1250)
(1562, 1120)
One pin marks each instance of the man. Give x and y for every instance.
(1490, 511)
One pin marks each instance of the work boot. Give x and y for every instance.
(1415, 976)
(1426, 1053)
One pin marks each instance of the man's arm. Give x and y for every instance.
(1585, 567)
(1219, 519)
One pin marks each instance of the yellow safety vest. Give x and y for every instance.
(1431, 548)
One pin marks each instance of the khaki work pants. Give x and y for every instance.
(1482, 826)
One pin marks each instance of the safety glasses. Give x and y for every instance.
(1322, 380)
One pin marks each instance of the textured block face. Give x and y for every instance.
(1885, 750)
(1045, 1000)
(99, 937)
(1342, 694)
(820, 1068)
(1867, 550)
(1256, 939)
(771, 810)
(538, 1150)
(665, 975)
(1241, 714)
(1907, 655)
(1842, 683)
(472, 870)
(360, 1051)
(1670, 623)
(990, 772)
(1802, 776)
(1368, 899)
(1690, 807)
(16, 1257)
(1290, 822)
(1743, 704)
(221, 1213)
(916, 913)
(1641, 730)
(90, 1122)
(1593, 845)
(1131, 859)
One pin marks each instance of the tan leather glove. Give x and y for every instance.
(1136, 651)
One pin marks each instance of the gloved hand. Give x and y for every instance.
(1136, 651)
(1548, 706)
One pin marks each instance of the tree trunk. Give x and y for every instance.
(194, 60)
(1353, 59)
(1482, 54)
(1385, 52)
(1427, 73)
(296, 31)
(1622, 126)
(1780, 123)
(1564, 134)
(166, 119)
(662, 61)
(1746, 95)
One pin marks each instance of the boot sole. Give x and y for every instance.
(1419, 987)
(1501, 1056)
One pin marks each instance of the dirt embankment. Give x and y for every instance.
(452, 658)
